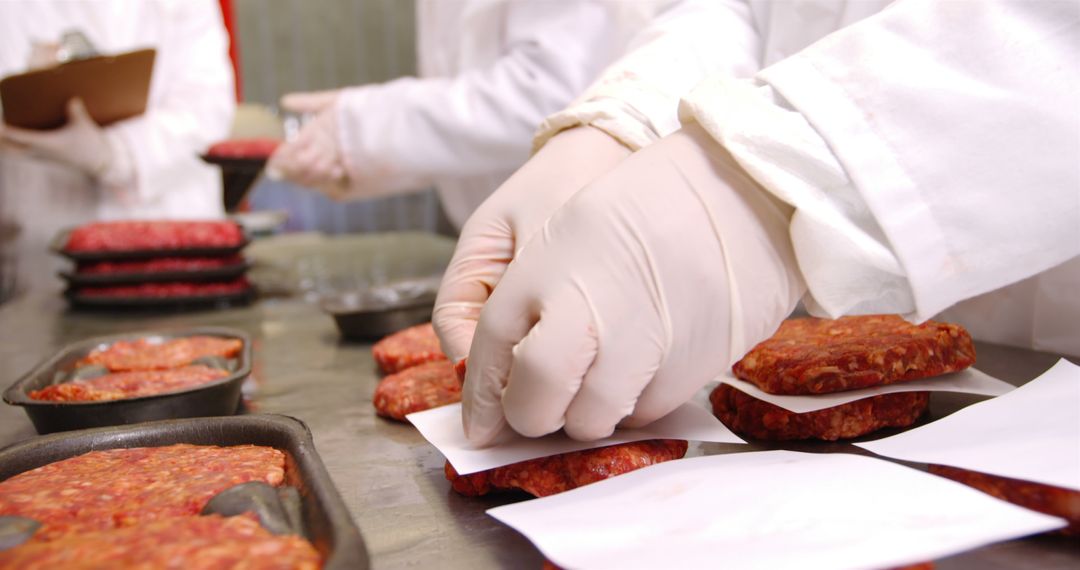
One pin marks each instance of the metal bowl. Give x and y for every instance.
(374, 313)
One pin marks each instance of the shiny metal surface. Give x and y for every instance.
(391, 480)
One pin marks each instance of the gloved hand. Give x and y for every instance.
(643, 287)
(313, 158)
(503, 223)
(80, 143)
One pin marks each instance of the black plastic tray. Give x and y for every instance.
(218, 398)
(223, 273)
(356, 322)
(152, 303)
(327, 522)
(60, 241)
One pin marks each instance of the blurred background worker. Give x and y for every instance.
(884, 159)
(490, 71)
(143, 167)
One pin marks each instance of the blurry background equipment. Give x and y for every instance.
(284, 47)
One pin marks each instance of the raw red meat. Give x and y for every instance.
(820, 356)
(123, 385)
(558, 473)
(146, 354)
(159, 265)
(1048, 499)
(206, 542)
(114, 488)
(416, 389)
(759, 419)
(254, 148)
(410, 347)
(167, 290)
(159, 235)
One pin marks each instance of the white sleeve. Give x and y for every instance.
(930, 151)
(404, 134)
(191, 102)
(636, 99)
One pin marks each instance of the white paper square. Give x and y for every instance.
(1031, 433)
(969, 381)
(442, 428)
(769, 510)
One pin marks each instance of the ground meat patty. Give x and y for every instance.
(159, 265)
(416, 389)
(116, 488)
(122, 385)
(209, 542)
(412, 346)
(821, 356)
(251, 148)
(1048, 499)
(171, 289)
(558, 473)
(154, 235)
(143, 354)
(758, 419)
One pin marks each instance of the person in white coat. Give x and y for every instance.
(859, 156)
(489, 72)
(143, 167)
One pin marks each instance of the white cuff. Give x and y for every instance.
(844, 257)
(612, 116)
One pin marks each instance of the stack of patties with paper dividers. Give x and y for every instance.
(809, 356)
(155, 263)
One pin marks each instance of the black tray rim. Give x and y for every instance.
(59, 243)
(90, 301)
(348, 549)
(17, 395)
(76, 279)
(243, 164)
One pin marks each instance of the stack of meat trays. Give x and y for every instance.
(156, 264)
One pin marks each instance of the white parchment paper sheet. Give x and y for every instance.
(1031, 433)
(769, 510)
(969, 381)
(442, 428)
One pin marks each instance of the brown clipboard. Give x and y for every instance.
(113, 87)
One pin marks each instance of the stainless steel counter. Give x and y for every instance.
(390, 478)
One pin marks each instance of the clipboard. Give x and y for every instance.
(113, 87)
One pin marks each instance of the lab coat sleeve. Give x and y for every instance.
(930, 151)
(404, 134)
(636, 99)
(191, 105)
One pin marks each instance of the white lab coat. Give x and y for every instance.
(190, 106)
(490, 71)
(887, 126)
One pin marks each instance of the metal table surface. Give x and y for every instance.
(390, 478)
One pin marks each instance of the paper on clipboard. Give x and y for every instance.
(969, 381)
(113, 88)
(442, 428)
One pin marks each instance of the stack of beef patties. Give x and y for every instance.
(809, 356)
(156, 263)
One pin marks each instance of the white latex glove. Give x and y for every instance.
(80, 143)
(643, 287)
(313, 158)
(507, 219)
